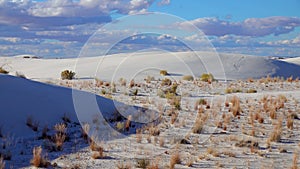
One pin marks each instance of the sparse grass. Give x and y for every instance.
(235, 107)
(175, 159)
(67, 74)
(38, 160)
(295, 160)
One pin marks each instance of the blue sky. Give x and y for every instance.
(236, 10)
(60, 28)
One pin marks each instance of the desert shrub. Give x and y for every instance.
(163, 72)
(142, 163)
(207, 77)
(38, 160)
(67, 74)
(3, 71)
(188, 78)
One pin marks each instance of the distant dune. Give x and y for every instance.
(222, 66)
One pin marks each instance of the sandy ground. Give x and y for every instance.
(223, 124)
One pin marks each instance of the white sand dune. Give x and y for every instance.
(47, 104)
(295, 60)
(139, 65)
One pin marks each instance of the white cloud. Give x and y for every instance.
(255, 27)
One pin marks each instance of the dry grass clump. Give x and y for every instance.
(175, 159)
(200, 102)
(60, 136)
(32, 124)
(139, 136)
(199, 123)
(38, 160)
(275, 136)
(98, 151)
(295, 161)
(212, 151)
(161, 141)
(2, 163)
(290, 123)
(235, 107)
(128, 123)
(85, 131)
(122, 165)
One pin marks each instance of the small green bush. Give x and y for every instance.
(163, 72)
(207, 77)
(3, 71)
(67, 74)
(188, 78)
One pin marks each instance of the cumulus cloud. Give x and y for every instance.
(164, 2)
(255, 27)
